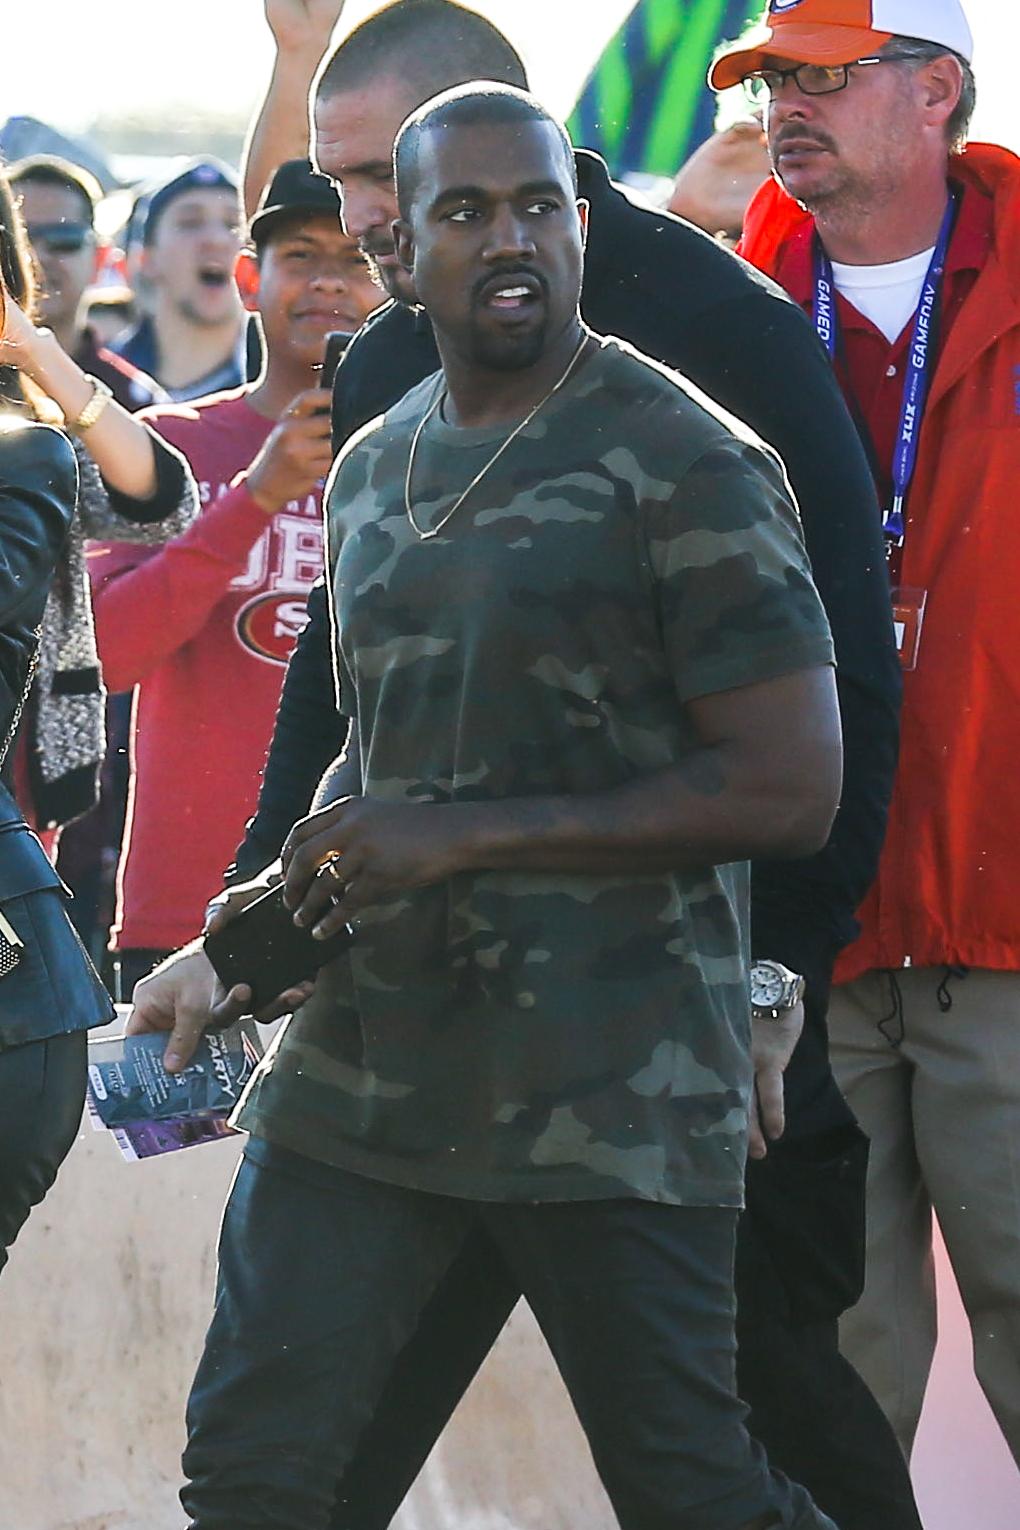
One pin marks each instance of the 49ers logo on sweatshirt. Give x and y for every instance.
(282, 567)
(270, 625)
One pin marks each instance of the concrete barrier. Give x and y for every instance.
(103, 1308)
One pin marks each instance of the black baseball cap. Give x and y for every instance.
(294, 189)
(200, 174)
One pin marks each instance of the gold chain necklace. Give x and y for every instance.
(426, 536)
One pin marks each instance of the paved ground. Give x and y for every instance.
(102, 1313)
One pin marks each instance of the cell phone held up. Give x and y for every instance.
(337, 342)
(266, 950)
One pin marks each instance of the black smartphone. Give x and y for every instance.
(336, 344)
(265, 949)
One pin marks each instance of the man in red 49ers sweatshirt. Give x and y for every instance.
(203, 626)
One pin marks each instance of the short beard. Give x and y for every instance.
(396, 283)
(508, 356)
(847, 200)
(846, 196)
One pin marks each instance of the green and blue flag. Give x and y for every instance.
(646, 106)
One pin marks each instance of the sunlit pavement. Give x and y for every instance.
(102, 1312)
(963, 1472)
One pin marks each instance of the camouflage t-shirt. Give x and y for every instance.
(522, 1035)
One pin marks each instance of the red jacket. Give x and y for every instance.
(948, 889)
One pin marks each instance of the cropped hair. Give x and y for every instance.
(919, 52)
(430, 44)
(51, 170)
(478, 104)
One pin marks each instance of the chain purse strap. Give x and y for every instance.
(33, 665)
(11, 944)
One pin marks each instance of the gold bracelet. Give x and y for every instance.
(101, 396)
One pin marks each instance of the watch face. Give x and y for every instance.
(767, 987)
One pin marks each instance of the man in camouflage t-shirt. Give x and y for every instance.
(527, 1034)
(591, 676)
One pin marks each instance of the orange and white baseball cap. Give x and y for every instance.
(838, 31)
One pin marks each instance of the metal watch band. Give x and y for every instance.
(793, 992)
(101, 396)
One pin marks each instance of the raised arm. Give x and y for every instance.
(149, 604)
(713, 188)
(120, 446)
(302, 30)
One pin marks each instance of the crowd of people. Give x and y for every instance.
(621, 645)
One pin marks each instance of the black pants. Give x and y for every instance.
(809, 1408)
(799, 1264)
(323, 1276)
(42, 1093)
(814, 1415)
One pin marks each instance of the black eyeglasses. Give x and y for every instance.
(60, 238)
(811, 79)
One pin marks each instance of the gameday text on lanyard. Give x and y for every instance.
(915, 389)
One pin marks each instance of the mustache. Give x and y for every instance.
(509, 273)
(801, 135)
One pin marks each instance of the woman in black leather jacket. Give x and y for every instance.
(49, 992)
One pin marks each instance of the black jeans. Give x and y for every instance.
(323, 1276)
(42, 1094)
(816, 1418)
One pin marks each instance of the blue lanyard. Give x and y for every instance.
(915, 389)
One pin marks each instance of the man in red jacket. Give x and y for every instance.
(905, 247)
(203, 626)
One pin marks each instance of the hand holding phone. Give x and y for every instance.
(296, 455)
(267, 951)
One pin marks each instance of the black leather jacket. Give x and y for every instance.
(53, 987)
(38, 491)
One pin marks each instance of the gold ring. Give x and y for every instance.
(332, 869)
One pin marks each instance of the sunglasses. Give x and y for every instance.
(60, 238)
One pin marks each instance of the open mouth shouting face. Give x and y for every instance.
(213, 275)
(192, 254)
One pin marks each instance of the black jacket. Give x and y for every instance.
(53, 988)
(678, 296)
(38, 494)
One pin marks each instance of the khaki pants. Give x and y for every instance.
(931, 1066)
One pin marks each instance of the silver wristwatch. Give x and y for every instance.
(775, 990)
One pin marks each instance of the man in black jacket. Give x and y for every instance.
(676, 295)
